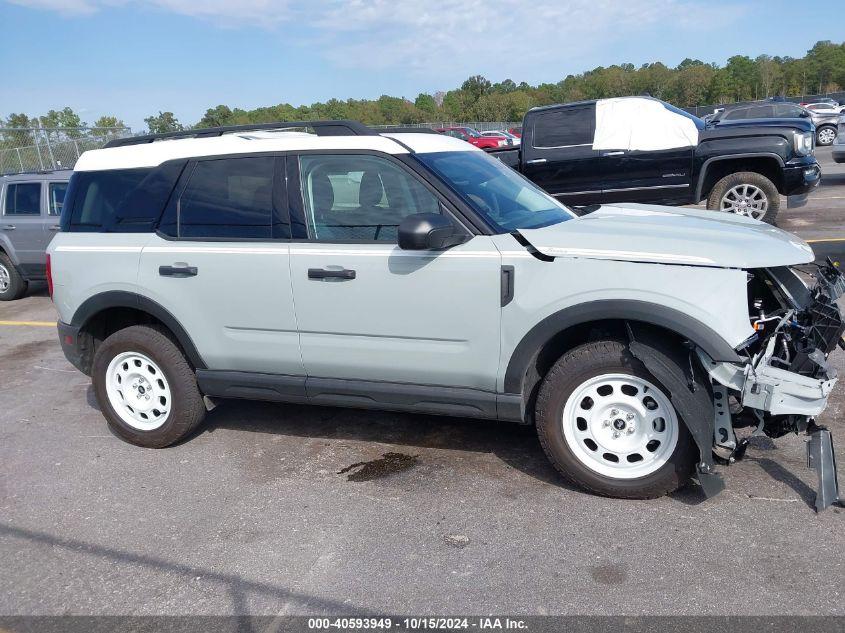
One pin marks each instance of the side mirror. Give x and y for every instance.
(427, 232)
(804, 114)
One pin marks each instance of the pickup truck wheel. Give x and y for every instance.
(746, 193)
(826, 135)
(12, 285)
(608, 426)
(145, 388)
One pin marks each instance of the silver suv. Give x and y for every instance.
(826, 121)
(30, 206)
(414, 272)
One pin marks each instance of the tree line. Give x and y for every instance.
(690, 83)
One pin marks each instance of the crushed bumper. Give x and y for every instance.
(786, 384)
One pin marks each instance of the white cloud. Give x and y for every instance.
(435, 36)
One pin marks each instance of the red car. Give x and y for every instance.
(473, 137)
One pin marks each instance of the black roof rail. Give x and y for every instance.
(321, 128)
(405, 130)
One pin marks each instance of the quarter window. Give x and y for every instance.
(23, 198)
(359, 198)
(56, 197)
(229, 198)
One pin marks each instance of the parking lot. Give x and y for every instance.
(253, 514)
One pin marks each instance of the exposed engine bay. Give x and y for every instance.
(787, 379)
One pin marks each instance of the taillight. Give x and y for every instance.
(49, 276)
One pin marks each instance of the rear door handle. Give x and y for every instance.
(322, 273)
(177, 271)
(613, 154)
(55, 227)
(8, 227)
(535, 161)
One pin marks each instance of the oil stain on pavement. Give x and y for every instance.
(386, 465)
(609, 574)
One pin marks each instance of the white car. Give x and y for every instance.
(825, 107)
(513, 139)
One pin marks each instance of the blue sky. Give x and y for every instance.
(132, 59)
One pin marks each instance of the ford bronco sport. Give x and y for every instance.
(325, 263)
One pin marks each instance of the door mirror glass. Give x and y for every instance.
(427, 232)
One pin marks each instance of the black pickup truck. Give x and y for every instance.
(640, 149)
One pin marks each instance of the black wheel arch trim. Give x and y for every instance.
(702, 174)
(123, 299)
(611, 309)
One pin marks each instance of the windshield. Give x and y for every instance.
(700, 124)
(470, 132)
(506, 199)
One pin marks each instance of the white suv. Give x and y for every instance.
(339, 266)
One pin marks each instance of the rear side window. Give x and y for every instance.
(23, 198)
(56, 197)
(228, 198)
(119, 200)
(564, 127)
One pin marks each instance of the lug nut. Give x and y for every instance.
(630, 416)
(614, 412)
(630, 430)
(615, 435)
(606, 423)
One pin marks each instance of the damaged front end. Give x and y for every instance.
(786, 381)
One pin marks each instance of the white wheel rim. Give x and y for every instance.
(746, 200)
(5, 280)
(620, 426)
(138, 391)
(827, 136)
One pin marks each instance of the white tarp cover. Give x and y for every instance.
(636, 123)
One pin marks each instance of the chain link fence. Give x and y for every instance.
(47, 149)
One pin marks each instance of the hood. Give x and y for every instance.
(669, 235)
(713, 127)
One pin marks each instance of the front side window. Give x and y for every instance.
(564, 127)
(506, 199)
(23, 198)
(56, 197)
(355, 197)
(228, 198)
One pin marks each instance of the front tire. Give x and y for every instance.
(12, 285)
(608, 426)
(145, 388)
(825, 135)
(746, 193)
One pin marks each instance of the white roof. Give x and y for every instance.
(157, 152)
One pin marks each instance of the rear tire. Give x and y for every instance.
(12, 285)
(145, 387)
(630, 442)
(746, 193)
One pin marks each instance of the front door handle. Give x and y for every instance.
(535, 161)
(323, 273)
(55, 227)
(613, 154)
(177, 271)
(8, 227)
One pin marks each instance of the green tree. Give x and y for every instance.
(163, 122)
(426, 104)
(64, 123)
(19, 136)
(216, 117)
(475, 87)
(107, 126)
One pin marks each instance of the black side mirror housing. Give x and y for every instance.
(427, 232)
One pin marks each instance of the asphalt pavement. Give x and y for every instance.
(254, 514)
